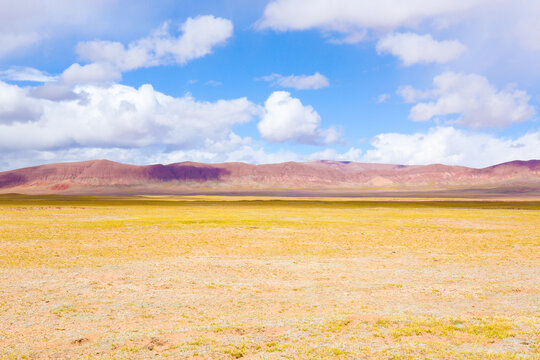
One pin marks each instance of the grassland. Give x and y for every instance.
(197, 277)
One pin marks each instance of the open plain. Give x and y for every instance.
(273, 278)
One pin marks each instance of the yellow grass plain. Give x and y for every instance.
(90, 277)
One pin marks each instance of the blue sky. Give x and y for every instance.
(454, 82)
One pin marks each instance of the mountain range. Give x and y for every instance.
(338, 178)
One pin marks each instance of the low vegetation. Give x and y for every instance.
(212, 277)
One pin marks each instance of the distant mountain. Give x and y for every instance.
(290, 178)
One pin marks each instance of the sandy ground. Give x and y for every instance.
(295, 282)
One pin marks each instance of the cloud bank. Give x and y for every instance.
(451, 146)
(142, 125)
(115, 116)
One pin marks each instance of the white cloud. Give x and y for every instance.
(242, 150)
(382, 98)
(115, 116)
(198, 38)
(16, 105)
(416, 49)
(287, 119)
(498, 33)
(115, 54)
(353, 154)
(213, 83)
(232, 149)
(109, 59)
(13, 42)
(26, 23)
(22, 73)
(55, 91)
(451, 146)
(471, 97)
(351, 17)
(91, 73)
(506, 26)
(527, 29)
(299, 82)
(411, 95)
(58, 122)
(446, 145)
(18, 15)
(332, 135)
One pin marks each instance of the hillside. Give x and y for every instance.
(325, 177)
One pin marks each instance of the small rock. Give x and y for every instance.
(80, 341)
(155, 342)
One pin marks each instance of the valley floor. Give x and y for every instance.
(224, 278)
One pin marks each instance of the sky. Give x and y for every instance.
(389, 81)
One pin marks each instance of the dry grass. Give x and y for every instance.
(103, 277)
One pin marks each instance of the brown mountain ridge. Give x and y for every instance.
(290, 178)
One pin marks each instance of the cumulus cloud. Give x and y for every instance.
(491, 29)
(109, 59)
(472, 98)
(352, 17)
(448, 145)
(198, 38)
(141, 125)
(416, 49)
(287, 119)
(55, 91)
(91, 73)
(16, 105)
(115, 116)
(299, 82)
